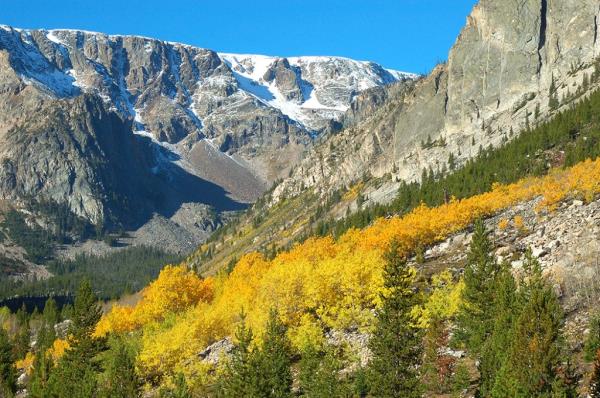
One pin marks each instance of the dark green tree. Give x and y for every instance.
(505, 310)
(318, 374)
(238, 378)
(121, 379)
(76, 373)
(533, 367)
(475, 318)
(592, 342)
(179, 390)
(273, 362)
(595, 379)
(42, 367)
(8, 378)
(396, 341)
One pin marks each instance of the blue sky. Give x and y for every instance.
(409, 35)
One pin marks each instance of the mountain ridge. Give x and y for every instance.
(190, 118)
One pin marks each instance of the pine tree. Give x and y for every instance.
(273, 361)
(592, 342)
(535, 356)
(318, 374)
(238, 377)
(180, 390)
(8, 378)
(22, 338)
(42, 367)
(475, 320)
(76, 373)
(396, 341)
(121, 378)
(46, 333)
(505, 310)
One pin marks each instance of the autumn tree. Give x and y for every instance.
(396, 341)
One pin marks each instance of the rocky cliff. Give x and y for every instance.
(515, 62)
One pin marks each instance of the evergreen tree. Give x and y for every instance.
(273, 362)
(76, 373)
(238, 379)
(475, 319)
(318, 374)
(22, 338)
(8, 378)
(181, 388)
(50, 314)
(505, 310)
(533, 363)
(396, 342)
(592, 342)
(46, 333)
(42, 367)
(121, 378)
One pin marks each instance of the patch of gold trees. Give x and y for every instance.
(318, 285)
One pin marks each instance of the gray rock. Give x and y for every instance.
(217, 352)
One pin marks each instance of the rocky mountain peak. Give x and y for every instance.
(197, 126)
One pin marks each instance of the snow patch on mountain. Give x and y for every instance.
(317, 76)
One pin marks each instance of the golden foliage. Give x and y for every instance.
(175, 289)
(445, 299)
(319, 284)
(503, 224)
(26, 364)
(58, 349)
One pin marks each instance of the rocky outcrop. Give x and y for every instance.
(513, 62)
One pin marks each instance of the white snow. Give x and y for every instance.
(51, 35)
(315, 73)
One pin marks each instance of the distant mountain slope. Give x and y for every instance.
(120, 128)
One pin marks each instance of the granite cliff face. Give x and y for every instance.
(119, 128)
(512, 63)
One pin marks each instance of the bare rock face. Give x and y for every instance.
(286, 80)
(510, 62)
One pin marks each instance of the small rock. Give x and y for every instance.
(215, 352)
(538, 252)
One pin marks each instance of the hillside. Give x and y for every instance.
(325, 285)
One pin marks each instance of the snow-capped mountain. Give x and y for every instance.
(193, 124)
(308, 90)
